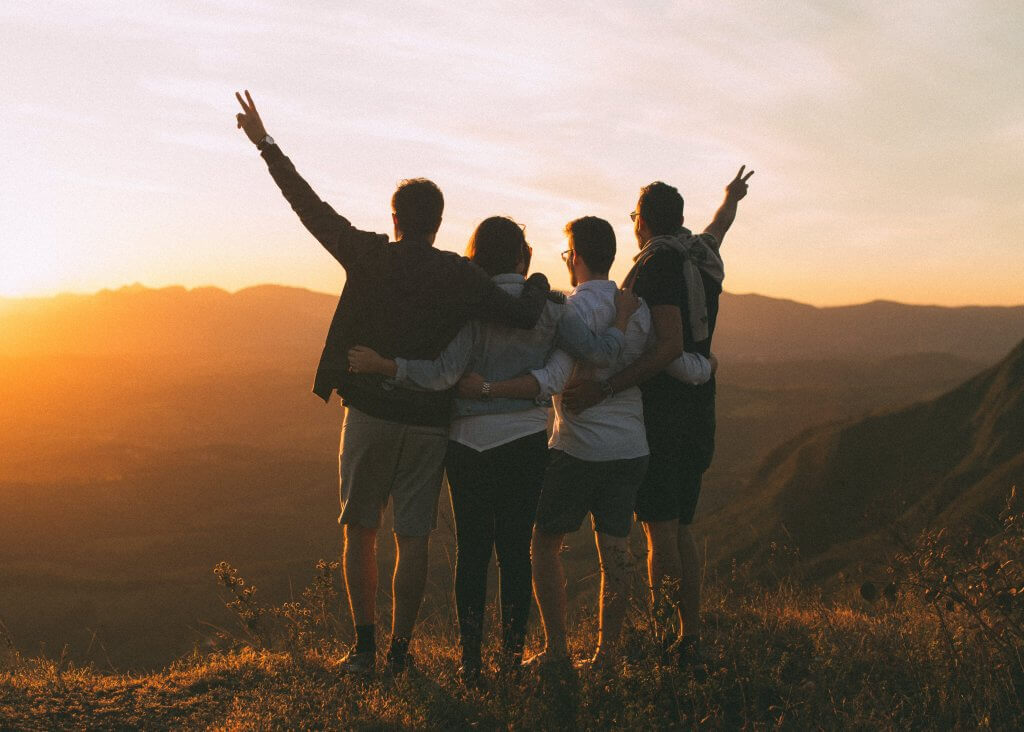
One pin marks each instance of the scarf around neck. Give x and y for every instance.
(698, 257)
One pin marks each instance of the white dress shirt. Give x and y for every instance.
(614, 428)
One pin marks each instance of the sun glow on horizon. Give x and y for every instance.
(123, 162)
(25, 277)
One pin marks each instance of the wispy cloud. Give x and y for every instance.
(874, 127)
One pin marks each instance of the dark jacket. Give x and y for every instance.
(403, 299)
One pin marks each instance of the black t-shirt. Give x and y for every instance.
(660, 281)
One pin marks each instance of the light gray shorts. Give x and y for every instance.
(381, 459)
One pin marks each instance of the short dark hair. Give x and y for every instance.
(497, 245)
(418, 204)
(661, 207)
(594, 240)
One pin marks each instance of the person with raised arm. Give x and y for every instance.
(679, 275)
(402, 298)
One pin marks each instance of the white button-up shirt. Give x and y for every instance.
(614, 428)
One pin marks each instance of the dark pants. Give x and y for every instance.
(494, 499)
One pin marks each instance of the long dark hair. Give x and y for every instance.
(498, 245)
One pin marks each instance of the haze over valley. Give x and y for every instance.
(148, 434)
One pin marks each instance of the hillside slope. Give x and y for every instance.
(836, 491)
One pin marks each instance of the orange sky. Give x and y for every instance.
(887, 141)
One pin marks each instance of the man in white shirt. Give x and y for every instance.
(598, 458)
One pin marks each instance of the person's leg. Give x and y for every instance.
(365, 465)
(549, 588)
(563, 503)
(408, 583)
(613, 554)
(521, 466)
(689, 577)
(664, 570)
(614, 496)
(415, 489)
(469, 481)
(360, 565)
(689, 561)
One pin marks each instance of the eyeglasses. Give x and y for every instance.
(633, 215)
(565, 255)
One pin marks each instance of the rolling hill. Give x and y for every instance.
(838, 492)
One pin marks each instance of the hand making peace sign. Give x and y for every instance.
(249, 119)
(737, 187)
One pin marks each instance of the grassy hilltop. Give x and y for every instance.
(937, 648)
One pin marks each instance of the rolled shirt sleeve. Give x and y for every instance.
(690, 368)
(553, 377)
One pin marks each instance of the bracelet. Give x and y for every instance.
(485, 391)
(606, 389)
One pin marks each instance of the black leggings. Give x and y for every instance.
(494, 499)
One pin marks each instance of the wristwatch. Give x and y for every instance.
(267, 140)
(485, 391)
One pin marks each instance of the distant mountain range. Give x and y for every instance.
(837, 492)
(270, 323)
(756, 327)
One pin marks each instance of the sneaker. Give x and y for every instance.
(358, 664)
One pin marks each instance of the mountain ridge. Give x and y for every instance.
(132, 319)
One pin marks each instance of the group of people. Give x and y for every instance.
(449, 364)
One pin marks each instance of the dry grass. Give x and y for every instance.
(940, 647)
(777, 658)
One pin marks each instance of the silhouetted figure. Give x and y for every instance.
(679, 276)
(402, 299)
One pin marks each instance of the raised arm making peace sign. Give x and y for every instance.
(737, 187)
(249, 119)
(726, 214)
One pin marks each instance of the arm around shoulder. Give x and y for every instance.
(667, 321)
(495, 305)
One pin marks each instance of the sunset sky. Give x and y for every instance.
(887, 138)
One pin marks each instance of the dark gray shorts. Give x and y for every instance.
(381, 459)
(605, 488)
(682, 442)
